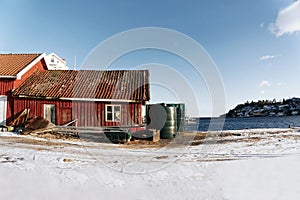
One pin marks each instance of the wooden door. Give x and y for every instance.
(49, 112)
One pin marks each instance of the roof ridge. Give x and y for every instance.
(109, 70)
(101, 70)
(21, 53)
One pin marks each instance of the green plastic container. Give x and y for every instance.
(171, 114)
(180, 117)
(170, 128)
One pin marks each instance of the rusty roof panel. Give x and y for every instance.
(12, 64)
(114, 84)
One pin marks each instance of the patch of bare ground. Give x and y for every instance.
(217, 159)
(8, 159)
(224, 141)
(33, 141)
(68, 160)
(201, 138)
(136, 144)
(296, 137)
(54, 135)
(161, 157)
(182, 139)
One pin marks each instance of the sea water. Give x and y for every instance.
(215, 124)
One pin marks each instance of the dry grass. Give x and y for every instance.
(33, 141)
(184, 138)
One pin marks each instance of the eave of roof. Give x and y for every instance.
(8, 77)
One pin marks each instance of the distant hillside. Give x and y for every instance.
(266, 108)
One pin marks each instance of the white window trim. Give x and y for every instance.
(113, 109)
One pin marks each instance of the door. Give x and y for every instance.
(49, 112)
(65, 115)
(3, 108)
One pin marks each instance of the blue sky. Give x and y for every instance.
(254, 44)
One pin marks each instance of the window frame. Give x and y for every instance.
(113, 113)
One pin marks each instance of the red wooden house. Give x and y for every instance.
(14, 69)
(94, 98)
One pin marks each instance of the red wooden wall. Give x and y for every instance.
(88, 113)
(41, 65)
(8, 84)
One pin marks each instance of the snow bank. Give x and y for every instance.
(266, 168)
(272, 178)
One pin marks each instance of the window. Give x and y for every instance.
(113, 113)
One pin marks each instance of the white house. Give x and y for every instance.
(54, 62)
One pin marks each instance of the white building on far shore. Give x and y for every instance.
(54, 62)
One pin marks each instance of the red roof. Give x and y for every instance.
(12, 64)
(87, 84)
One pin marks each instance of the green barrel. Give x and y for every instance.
(170, 128)
(171, 115)
(180, 117)
(155, 116)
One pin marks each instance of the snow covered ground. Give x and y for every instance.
(257, 164)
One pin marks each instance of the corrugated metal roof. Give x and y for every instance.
(12, 64)
(114, 84)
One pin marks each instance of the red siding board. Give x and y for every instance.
(125, 85)
(40, 66)
(8, 84)
(87, 113)
(102, 115)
